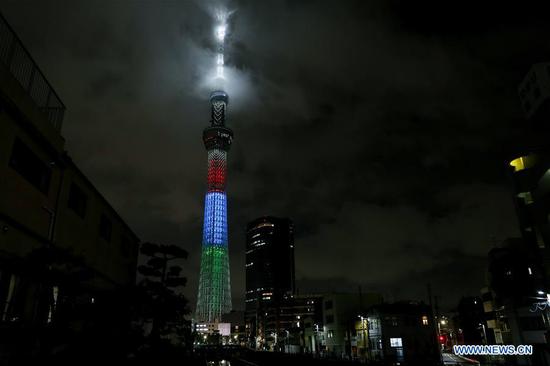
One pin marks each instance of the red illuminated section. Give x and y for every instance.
(216, 172)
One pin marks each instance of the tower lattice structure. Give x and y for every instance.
(214, 297)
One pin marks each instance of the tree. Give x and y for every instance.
(165, 306)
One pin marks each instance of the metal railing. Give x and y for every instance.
(21, 65)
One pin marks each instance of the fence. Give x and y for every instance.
(20, 63)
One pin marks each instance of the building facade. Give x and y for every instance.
(269, 261)
(404, 333)
(515, 300)
(534, 95)
(62, 245)
(269, 270)
(343, 336)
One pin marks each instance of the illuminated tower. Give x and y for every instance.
(214, 298)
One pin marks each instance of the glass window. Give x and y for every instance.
(24, 161)
(396, 342)
(424, 320)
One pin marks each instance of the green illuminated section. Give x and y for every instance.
(214, 288)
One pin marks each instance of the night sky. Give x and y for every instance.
(379, 127)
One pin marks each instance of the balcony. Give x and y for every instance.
(21, 65)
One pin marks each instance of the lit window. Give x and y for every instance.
(396, 342)
(424, 320)
(523, 162)
(529, 270)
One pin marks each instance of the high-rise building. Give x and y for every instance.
(269, 261)
(269, 272)
(214, 298)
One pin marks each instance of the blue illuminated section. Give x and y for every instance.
(215, 219)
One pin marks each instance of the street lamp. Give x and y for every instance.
(484, 333)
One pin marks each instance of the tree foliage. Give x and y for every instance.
(166, 307)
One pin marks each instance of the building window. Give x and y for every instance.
(396, 342)
(77, 200)
(105, 228)
(526, 197)
(329, 319)
(330, 334)
(523, 162)
(424, 320)
(328, 305)
(24, 161)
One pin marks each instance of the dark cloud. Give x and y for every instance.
(379, 127)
